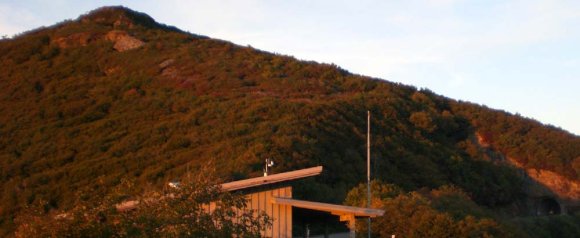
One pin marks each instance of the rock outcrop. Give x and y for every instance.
(75, 40)
(123, 41)
(561, 186)
(540, 185)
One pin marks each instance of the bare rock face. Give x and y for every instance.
(539, 184)
(74, 40)
(483, 139)
(166, 63)
(565, 188)
(119, 18)
(123, 41)
(561, 186)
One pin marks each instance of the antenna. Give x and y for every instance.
(369, 166)
(267, 164)
(188, 174)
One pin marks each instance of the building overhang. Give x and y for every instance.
(339, 210)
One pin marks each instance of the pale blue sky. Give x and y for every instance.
(519, 56)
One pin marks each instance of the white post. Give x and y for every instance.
(266, 167)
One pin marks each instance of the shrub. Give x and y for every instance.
(182, 212)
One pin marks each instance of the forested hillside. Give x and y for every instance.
(115, 95)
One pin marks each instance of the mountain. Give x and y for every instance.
(115, 95)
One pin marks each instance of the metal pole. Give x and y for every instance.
(369, 167)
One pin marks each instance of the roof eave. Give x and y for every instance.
(271, 179)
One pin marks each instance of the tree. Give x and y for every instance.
(180, 212)
(423, 121)
(424, 213)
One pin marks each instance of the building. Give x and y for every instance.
(272, 194)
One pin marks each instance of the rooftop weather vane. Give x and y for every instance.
(268, 163)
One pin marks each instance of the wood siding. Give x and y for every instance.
(280, 213)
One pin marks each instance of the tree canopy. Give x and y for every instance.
(182, 211)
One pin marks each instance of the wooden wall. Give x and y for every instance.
(281, 214)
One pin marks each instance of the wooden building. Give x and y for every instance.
(273, 195)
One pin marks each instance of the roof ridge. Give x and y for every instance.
(271, 179)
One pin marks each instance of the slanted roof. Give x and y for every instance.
(271, 179)
(332, 208)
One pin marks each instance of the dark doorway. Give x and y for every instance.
(315, 223)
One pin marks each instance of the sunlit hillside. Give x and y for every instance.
(114, 95)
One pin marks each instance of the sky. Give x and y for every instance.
(519, 56)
